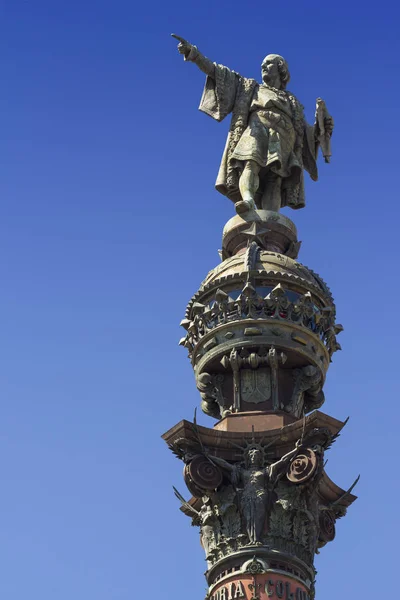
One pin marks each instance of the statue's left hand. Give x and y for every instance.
(323, 119)
(329, 124)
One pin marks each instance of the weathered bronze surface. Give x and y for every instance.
(269, 142)
(260, 333)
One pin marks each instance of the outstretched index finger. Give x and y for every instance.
(179, 38)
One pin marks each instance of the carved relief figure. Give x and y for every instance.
(212, 398)
(269, 142)
(210, 529)
(254, 484)
(307, 393)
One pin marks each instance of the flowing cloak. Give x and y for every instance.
(286, 153)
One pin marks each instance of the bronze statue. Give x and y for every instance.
(269, 142)
(255, 483)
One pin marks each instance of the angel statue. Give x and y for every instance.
(269, 143)
(254, 482)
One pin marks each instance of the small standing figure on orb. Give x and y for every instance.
(269, 142)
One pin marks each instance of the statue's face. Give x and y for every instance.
(269, 69)
(255, 457)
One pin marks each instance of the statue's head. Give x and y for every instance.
(275, 71)
(255, 457)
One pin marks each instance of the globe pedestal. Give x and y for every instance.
(260, 334)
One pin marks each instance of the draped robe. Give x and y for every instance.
(267, 126)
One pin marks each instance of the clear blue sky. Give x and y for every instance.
(109, 222)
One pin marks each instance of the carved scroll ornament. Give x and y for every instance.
(201, 476)
(303, 467)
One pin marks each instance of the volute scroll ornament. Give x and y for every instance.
(202, 476)
(303, 466)
(327, 529)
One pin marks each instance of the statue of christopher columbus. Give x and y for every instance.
(269, 143)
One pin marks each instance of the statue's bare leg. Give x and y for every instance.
(248, 186)
(271, 198)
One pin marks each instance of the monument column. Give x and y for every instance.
(260, 333)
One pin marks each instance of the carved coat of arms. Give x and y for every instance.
(255, 385)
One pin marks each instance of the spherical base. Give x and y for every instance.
(271, 230)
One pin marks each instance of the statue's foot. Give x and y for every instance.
(244, 206)
(255, 544)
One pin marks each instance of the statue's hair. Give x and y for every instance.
(284, 74)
